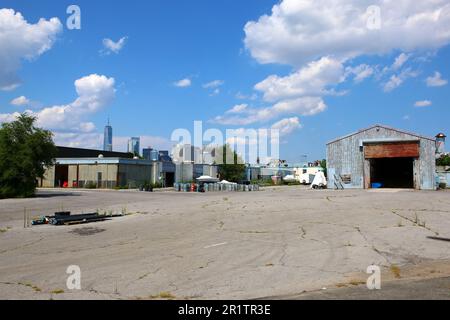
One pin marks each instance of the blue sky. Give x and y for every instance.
(207, 40)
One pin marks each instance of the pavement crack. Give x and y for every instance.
(416, 221)
(303, 235)
(372, 246)
(22, 247)
(145, 275)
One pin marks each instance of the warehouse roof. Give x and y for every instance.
(67, 152)
(75, 161)
(385, 127)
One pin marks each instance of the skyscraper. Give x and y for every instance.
(107, 138)
(146, 153)
(134, 146)
(150, 154)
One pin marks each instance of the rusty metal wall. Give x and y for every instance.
(392, 150)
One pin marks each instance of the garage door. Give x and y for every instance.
(392, 150)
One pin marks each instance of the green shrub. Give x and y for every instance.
(91, 185)
(156, 185)
(292, 183)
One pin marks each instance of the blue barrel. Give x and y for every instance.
(377, 185)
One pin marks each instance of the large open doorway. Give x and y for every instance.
(61, 175)
(392, 172)
(170, 179)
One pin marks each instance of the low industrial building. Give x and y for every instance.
(381, 156)
(81, 168)
(87, 168)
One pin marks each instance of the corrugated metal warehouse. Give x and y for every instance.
(382, 156)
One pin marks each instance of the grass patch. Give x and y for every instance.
(348, 244)
(3, 230)
(356, 282)
(350, 283)
(395, 271)
(163, 295)
(57, 291)
(418, 222)
(31, 286)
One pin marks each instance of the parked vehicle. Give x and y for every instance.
(306, 175)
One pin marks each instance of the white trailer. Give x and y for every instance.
(306, 175)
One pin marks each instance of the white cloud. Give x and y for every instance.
(109, 46)
(423, 103)
(239, 108)
(215, 92)
(242, 96)
(183, 83)
(22, 41)
(360, 72)
(400, 61)
(287, 126)
(8, 117)
(23, 101)
(436, 80)
(299, 93)
(92, 140)
(213, 84)
(311, 80)
(94, 92)
(241, 116)
(87, 127)
(305, 106)
(20, 101)
(394, 82)
(397, 80)
(298, 31)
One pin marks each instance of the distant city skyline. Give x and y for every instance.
(134, 145)
(108, 138)
(230, 65)
(150, 154)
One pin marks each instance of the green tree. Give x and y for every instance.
(234, 171)
(444, 160)
(323, 164)
(25, 152)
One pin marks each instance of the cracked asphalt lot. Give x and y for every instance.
(279, 242)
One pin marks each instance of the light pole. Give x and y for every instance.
(304, 156)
